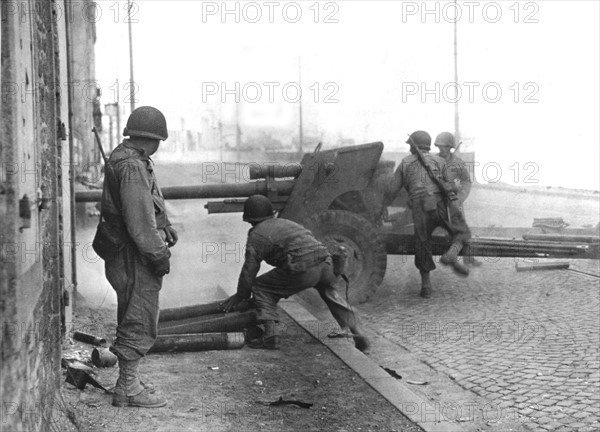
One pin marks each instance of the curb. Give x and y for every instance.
(418, 409)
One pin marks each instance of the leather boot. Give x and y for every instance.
(425, 285)
(269, 340)
(130, 392)
(451, 258)
(451, 255)
(470, 260)
(361, 342)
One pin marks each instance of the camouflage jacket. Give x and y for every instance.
(132, 203)
(283, 244)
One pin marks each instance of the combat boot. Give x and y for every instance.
(361, 342)
(425, 285)
(145, 399)
(451, 258)
(269, 339)
(470, 260)
(272, 343)
(129, 391)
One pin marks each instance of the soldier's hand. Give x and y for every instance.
(171, 236)
(231, 303)
(162, 268)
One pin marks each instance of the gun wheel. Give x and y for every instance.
(367, 258)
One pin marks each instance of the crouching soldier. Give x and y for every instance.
(133, 237)
(300, 262)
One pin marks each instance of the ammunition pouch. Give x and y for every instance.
(339, 258)
(451, 189)
(430, 202)
(300, 260)
(107, 243)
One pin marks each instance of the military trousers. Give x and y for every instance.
(278, 283)
(427, 219)
(137, 289)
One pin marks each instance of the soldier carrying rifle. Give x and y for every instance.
(434, 203)
(133, 238)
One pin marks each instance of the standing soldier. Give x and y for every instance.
(430, 209)
(133, 238)
(458, 173)
(300, 262)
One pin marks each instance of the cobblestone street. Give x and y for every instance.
(527, 342)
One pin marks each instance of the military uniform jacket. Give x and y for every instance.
(283, 244)
(457, 172)
(132, 203)
(414, 178)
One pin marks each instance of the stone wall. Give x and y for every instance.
(35, 209)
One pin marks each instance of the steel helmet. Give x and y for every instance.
(421, 139)
(257, 208)
(146, 122)
(445, 139)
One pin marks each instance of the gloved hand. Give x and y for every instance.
(162, 267)
(171, 235)
(451, 187)
(231, 303)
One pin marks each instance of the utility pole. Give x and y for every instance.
(456, 121)
(238, 129)
(118, 113)
(110, 134)
(131, 81)
(300, 131)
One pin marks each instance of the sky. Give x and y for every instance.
(529, 73)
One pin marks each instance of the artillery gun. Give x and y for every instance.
(341, 195)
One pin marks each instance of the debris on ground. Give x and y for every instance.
(281, 401)
(561, 265)
(417, 382)
(392, 372)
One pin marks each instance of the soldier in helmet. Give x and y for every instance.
(133, 238)
(430, 209)
(458, 173)
(456, 168)
(300, 262)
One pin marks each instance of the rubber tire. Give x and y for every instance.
(367, 260)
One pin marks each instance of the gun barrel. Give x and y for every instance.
(228, 190)
(274, 170)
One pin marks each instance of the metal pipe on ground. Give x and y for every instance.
(197, 342)
(521, 267)
(90, 339)
(489, 247)
(225, 322)
(198, 311)
(563, 238)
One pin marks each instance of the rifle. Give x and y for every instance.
(448, 196)
(104, 158)
(457, 148)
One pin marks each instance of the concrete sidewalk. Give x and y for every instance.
(231, 390)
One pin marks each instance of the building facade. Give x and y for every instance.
(42, 125)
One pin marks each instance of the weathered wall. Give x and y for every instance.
(35, 260)
(83, 84)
